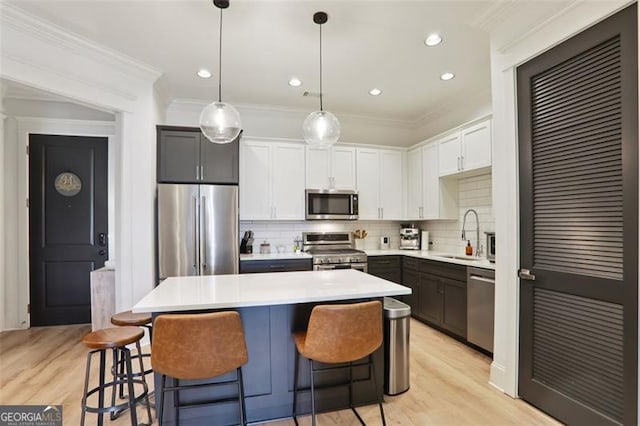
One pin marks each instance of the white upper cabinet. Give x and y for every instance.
(476, 146)
(466, 149)
(429, 196)
(379, 177)
(367, 177)
(287, 184)
(414, 184)
(439, 196)
(331, 168)
(449, 154)
(391, 185)
(255, 180)
(271, 180)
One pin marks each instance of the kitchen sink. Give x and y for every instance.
(468, 258)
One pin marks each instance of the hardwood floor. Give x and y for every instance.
(448, 382)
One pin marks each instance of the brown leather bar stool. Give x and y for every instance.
(198, 347)
(126, 319)
(117, 340)
(339, 334)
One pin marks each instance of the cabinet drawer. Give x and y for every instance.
(387, 267)
(383, 262)
(285, 265)
(443, 269)
(411, 263)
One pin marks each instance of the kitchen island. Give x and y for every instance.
(271, 305)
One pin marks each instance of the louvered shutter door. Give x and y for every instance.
(577, 129)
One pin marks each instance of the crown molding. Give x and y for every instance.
(494, 14)
(448, 106)
(75, 77)
(540, 25)
(404, 124)
(25, 23)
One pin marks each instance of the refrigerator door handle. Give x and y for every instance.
(195, 233)
(203, 231)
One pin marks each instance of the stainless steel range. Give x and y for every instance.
(333, 250)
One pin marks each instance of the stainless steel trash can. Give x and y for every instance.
(396, 340)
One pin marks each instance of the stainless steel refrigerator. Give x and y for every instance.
(197, 230)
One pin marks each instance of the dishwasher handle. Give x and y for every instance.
(483, 279)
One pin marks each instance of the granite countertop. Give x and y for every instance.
(267, 289)
(434, 255)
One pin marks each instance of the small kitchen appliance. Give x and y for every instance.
(409, 237)
(332, 204)
(384, 243)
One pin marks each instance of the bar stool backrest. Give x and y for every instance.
(198, 346)
(343, 333)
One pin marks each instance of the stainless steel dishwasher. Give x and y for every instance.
(480, 307)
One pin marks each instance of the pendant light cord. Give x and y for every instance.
(321, 67)
(220, 61)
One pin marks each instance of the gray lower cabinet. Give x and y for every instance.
(185, 155)
(439, 294)
(387, 267)
(284, 265)
(411, 279)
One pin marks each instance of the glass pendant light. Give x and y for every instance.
(219, 121)
(321, 128)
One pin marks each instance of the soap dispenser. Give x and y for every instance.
(468, 250)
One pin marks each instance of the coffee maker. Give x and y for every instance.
(409, 237)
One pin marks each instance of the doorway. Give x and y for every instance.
(67, 225)
(578, 149)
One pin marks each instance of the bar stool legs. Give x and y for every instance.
(116, 340)
(132, 399)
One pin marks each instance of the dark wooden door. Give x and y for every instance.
(67, 225)
(578, 144)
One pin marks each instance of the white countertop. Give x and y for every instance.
(274, 288)
(434, 255)
(274, 256)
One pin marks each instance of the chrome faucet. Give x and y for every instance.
(464, 233)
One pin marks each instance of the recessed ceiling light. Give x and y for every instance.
(295, 82)
(433, 40)
(204, 73)
(447, 76)
(375, 92)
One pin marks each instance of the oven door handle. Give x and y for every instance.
(359, 266)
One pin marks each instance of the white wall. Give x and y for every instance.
(474, 192)
(39, 55)
(513, 42)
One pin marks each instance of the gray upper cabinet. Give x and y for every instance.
(186, 156)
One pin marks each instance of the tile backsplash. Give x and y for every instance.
(473, 193)
(283, 233)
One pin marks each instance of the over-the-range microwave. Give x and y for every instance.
(332, 204)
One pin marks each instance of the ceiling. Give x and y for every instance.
(366, 44)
